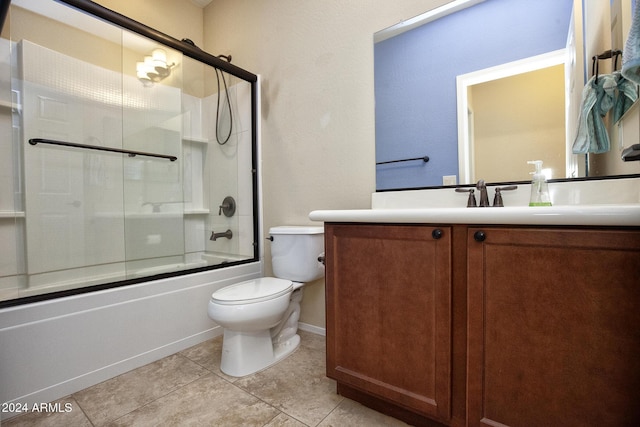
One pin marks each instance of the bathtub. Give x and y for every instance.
(202, 260)
(53, 348)
(215, 258)
(63, 280)
(167, 268)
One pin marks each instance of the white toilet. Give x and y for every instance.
(260, 316)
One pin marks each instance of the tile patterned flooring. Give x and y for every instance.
(188, 389)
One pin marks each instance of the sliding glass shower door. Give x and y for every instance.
(74, 197)
(127, 159)
(153, 187)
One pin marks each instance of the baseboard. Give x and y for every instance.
(312, 328)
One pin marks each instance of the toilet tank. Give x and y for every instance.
(295, 251)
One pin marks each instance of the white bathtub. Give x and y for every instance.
(53, 348)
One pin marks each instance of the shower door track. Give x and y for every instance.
(131, 153)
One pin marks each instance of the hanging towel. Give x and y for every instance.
(626, 95)
(597, 100)
(631, 54)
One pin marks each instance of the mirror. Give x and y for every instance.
(435, 73)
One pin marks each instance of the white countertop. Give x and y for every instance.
(596, 215)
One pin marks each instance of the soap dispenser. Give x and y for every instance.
(539, 186)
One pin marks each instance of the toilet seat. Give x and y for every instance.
(252, 291)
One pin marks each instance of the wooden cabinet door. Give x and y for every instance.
(553, 328)
(389, 313)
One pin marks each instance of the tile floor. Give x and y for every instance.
(188, 389)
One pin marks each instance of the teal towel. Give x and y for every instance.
(597, 100)
(626, 95)
(631, 53)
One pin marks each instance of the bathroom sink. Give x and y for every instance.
(603, 214)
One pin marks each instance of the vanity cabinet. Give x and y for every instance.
(486, 326)
(389, 314)
(553, 327)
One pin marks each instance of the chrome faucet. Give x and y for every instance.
(215, 236)
(484, 197)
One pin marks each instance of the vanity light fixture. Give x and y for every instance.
(154, 68)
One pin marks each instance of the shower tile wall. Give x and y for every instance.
(10, 213)
(227, 170)
(196, 204)
(96, 209)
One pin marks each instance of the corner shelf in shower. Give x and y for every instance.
(11, 214)
(197, 212)
(10, 105)
(195, 139)
(195, 173)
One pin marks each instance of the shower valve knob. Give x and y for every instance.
(228, 207)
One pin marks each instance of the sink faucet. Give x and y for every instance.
(497, 200)
(471, 202)
(484, 197)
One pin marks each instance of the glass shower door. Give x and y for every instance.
(153, 187)
(72, 238)
(126, 158)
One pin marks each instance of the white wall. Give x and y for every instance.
(177, 18)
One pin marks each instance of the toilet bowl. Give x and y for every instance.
(260, 316)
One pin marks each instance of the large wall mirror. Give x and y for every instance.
(481, 86)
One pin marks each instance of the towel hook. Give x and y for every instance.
(607, 54)
(594, 68)
(616, 54)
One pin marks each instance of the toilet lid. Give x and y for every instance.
(252, 291)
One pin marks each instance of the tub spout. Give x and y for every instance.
(215, 236)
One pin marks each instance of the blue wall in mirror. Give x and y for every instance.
(415, 80)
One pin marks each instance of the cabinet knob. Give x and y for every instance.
(479, 236)
(437, 233)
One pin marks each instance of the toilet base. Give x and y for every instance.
(245, 353)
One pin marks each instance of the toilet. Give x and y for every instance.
(260, 316)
